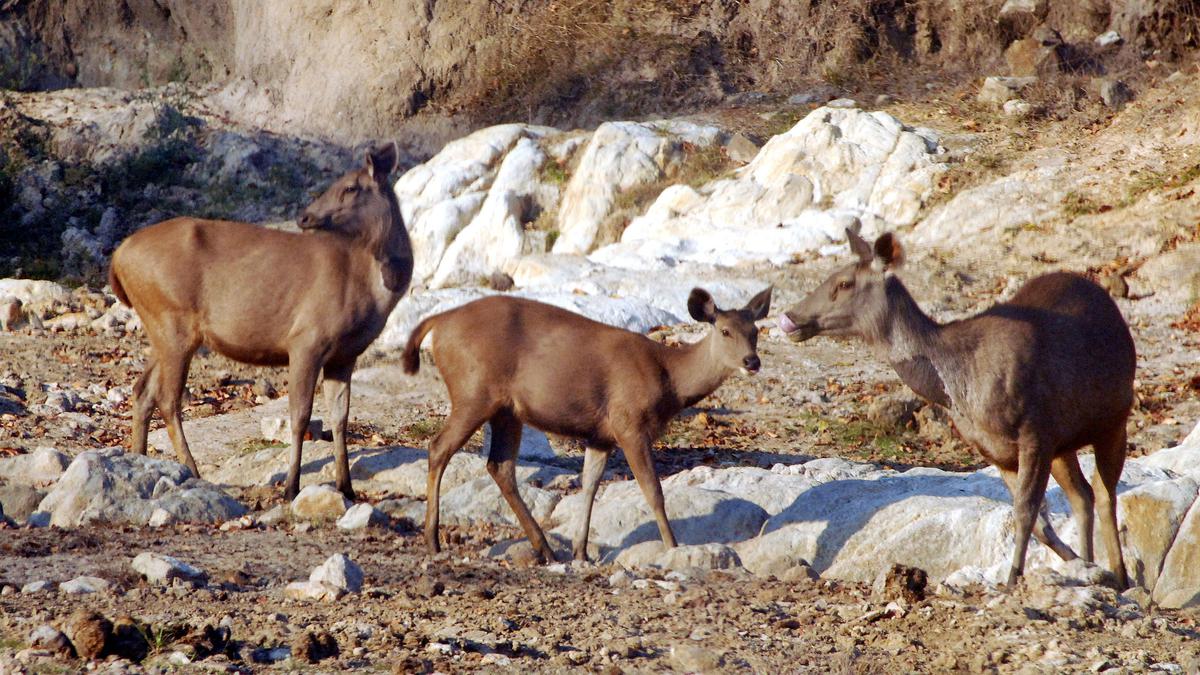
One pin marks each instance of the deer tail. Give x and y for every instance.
(412, 351)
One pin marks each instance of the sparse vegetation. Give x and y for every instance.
(423, 429)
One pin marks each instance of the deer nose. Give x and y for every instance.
(751, 362)
(306, 221)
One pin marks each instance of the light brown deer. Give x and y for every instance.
(510, 361)
(312, 301)
(1029, 381)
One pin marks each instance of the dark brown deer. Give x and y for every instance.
(312, 301)
(1029, 381)
(510, 361)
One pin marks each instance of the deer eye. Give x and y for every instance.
(725, 332)
(846, 285)
(349, 190)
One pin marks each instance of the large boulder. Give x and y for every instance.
(404, 471)
(447, 194)
(117, 487)
(496, 234)
(701, 556)
(834, 168)
(619, 157)
(480, 501)
(621, 517)
(1179, 581)
(773, 490)
(1150, 516)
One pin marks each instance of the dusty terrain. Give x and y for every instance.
(811, 399)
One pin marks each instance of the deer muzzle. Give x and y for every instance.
(796, 331)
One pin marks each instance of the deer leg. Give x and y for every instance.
(302, 381)
(172, 369)
(1028, 490)
(1110, 460)
(1042, 530)
(1066, 472)
(502, 466)
(458, 428)
(337, 400)
(594, 460)
(145, 397)
(637, 453)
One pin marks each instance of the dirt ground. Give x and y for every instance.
(461, 610)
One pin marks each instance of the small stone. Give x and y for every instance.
(84, 584)
(40, 586)
(695, 659)
(996, 90)
(19, 501)
(1017, 108)
(741, 148)
(273, 516)
(1018, 16)
(340, 573)
(265, 389)
(163, 569)
(309, 590)
(428, 587)
(499, 281)
(893, 411)
(799, 573)
(620, 578)
(311, 647)
(818, 95)
(160, 517)
(1108, 38)
(50, 638)
(900, 582)
(360, 516)
(883, 100)
(89, 632)
(1114, 93)
(319, 502)
(843, 103)
(279, 429)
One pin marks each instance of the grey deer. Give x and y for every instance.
(1029, 381)
(312, 301)
(510, 361)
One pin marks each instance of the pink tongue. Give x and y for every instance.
(786, 325)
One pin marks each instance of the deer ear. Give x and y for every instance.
(889, 251)
(701, 306)
(859, 247)
(382, 160)
(760, 304)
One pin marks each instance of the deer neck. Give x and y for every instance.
(693, 371)
(911, 341)
(392, 250)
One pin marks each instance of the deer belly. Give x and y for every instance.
(247, 349)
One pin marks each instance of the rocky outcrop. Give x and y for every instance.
(113, 486)
(619, 157)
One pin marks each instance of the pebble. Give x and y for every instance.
(360, 516)
(163, 569)
(84, 584)
(695, 659)
(89, 632)
(39, 586)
